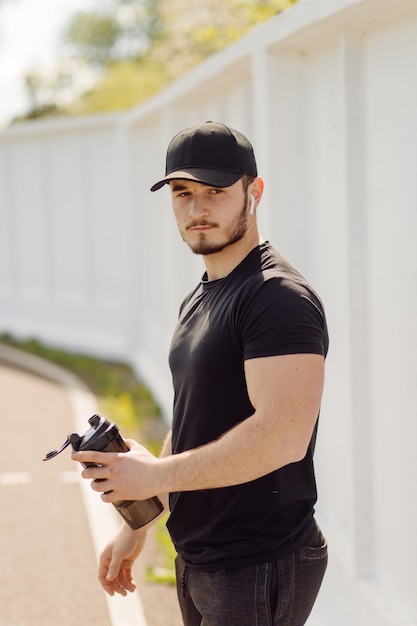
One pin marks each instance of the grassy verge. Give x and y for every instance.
(125, 400)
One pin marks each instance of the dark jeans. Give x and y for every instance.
(281, 593)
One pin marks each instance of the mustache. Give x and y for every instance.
(203, 222)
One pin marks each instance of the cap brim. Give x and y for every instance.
(216, 178)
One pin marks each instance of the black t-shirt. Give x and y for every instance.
(264, 307)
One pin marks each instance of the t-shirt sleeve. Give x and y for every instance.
(278, 316)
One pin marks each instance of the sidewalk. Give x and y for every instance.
(53, 525)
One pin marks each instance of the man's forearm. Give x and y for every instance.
(241, 455)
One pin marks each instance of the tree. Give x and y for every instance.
(122, 30)
(133, 48)
(51, 93)
(174, 36)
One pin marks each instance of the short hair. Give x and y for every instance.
(247, 180)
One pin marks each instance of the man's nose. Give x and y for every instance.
(197, 207)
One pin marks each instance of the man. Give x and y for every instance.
(247, 360)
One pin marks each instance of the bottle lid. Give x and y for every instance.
(101, 433)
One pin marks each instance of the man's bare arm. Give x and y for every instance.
(285, 392)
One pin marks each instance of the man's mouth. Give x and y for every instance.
(200, 226)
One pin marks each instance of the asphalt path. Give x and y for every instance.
(52, 525)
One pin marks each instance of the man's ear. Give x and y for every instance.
(256, 189)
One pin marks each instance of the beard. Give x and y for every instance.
(234, 233)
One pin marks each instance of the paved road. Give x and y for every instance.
(48, 554)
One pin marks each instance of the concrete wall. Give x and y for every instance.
(91, 260)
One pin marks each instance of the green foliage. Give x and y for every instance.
(123, 85)
(94, 36)
(120, 30)
(261, 11)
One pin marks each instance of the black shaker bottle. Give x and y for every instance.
(104, 436)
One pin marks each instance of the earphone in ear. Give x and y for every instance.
(252, 205)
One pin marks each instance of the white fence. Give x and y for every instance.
(91, 260)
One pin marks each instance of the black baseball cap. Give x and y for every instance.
(210, 153)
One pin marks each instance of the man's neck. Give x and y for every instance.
(220, 265)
